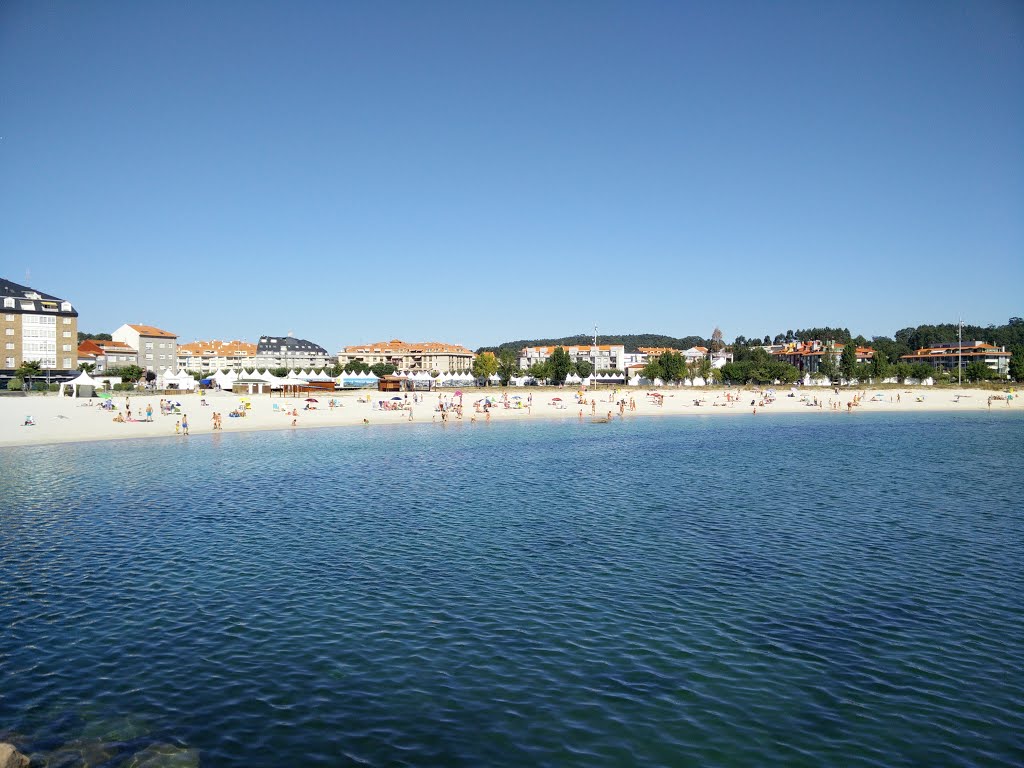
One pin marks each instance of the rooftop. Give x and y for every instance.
(149, 330)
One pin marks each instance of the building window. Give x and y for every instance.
(149, 345)
(65, 306)
(9, 331)
(149, 357)
(8, 304)
(10, 362)
(67, 334)
(9, 318)
(67, 362)
(67, 348)
(67, 321)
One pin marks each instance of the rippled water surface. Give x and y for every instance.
(732, 591)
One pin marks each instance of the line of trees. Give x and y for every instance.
(631, 342)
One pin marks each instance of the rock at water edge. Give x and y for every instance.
(12, 758)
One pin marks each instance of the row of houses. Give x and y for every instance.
(36, 326)
(806, 356)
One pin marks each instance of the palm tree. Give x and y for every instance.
(28, 370)
(87, 367)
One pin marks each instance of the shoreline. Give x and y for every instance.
(67, 420)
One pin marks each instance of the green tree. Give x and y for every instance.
(87, 367)
(485, 365)
(132, 373)
(848, 361)
(540, 371)
(1016, 361)
(560, 365)
(382, 369)
(15, 385)
(30, 369)
(827, 367)
(879, 365)
(976, 370)
(583, 368)
(734, 373)
(652, 370)
(508, 365)
(673, 366)
(704, 369)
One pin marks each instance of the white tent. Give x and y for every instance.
(635, 381)
(83, 380)
(184, 380)
(573, 378)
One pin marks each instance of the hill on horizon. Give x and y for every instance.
(630, 341)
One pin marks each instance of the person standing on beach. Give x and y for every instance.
(149, 412)
(184, 423)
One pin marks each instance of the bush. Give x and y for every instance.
(15, 385)
(40, 386)
(124, 386)
(54, 387)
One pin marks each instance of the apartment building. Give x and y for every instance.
(213, 356)
(948, 357)
(37, 326)
(603, 357)
(410, 356)
(807, 355)
(290, 352)
(158, 349)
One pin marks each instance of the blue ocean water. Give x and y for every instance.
(797, 590)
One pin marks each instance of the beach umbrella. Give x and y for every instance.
(104, 395)
(396, 398)
(312, 400)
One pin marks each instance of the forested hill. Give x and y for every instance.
(1009, 335)
(631, 342)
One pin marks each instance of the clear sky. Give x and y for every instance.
(475, 172)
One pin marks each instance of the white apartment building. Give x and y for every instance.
(38, 327)
(603, 357)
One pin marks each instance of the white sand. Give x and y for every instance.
(60, 420)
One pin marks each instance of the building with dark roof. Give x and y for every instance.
(37, 326)
(290, 352)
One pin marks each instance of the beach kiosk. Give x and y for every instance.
(390, 383)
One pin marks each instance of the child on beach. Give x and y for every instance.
(177, 427)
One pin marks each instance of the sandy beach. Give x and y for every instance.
(61, 420)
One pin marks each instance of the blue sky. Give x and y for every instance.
(477, 172)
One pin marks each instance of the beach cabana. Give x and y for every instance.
(84, 380)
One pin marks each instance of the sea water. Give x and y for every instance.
(821, 589)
